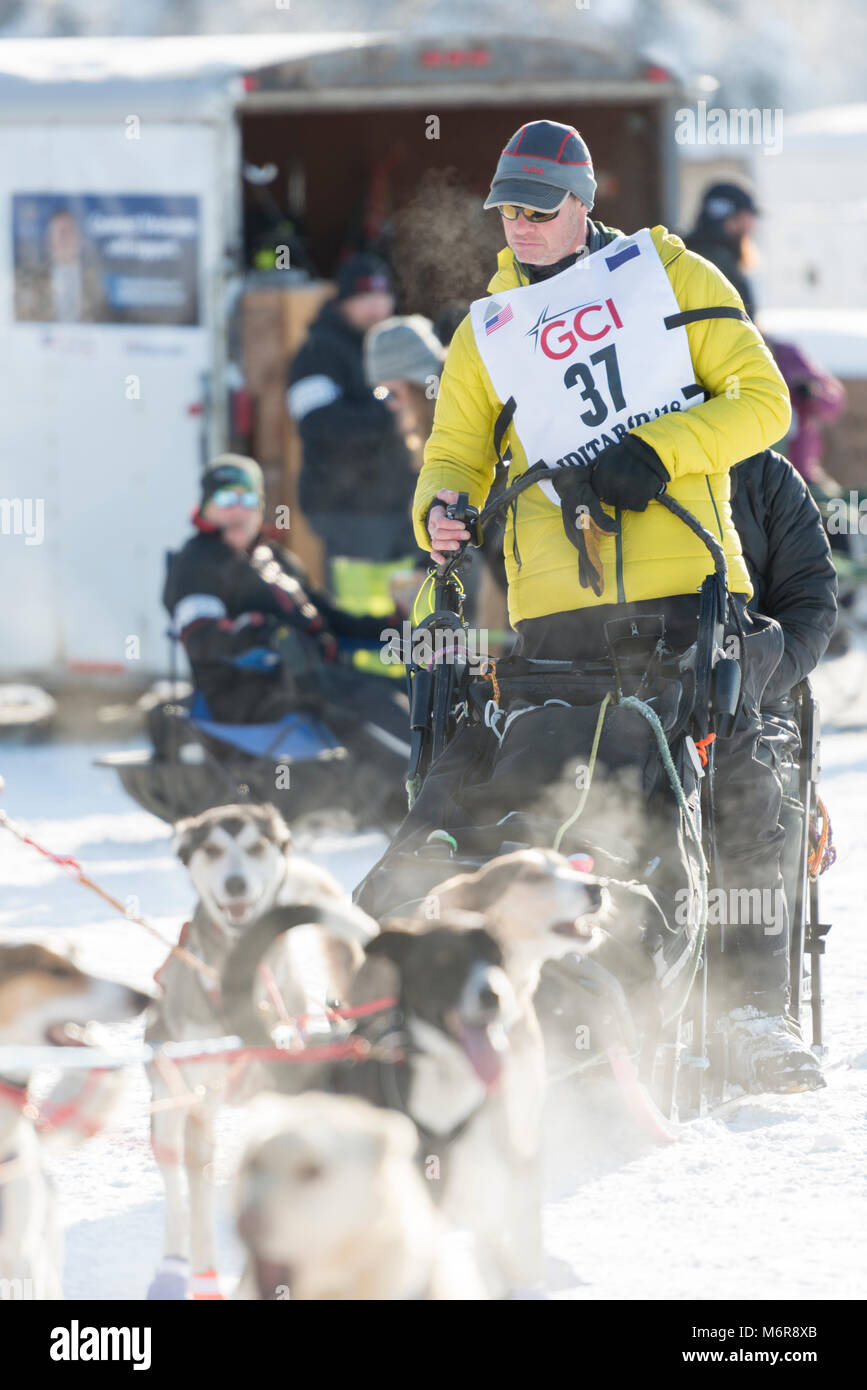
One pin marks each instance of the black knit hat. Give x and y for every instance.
(723, 200)
(232, 470)
(363, 274)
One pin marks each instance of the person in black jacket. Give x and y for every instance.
(357, 480)
(794, 582)
(722, 235)
(789, 559)
(261, 640)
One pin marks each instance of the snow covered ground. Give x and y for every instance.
(763, 1201)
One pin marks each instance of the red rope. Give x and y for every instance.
(375, 1006)
(67, 1116)
(65, 861)
(52, 1117)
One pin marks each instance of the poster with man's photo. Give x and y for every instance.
(106, 258)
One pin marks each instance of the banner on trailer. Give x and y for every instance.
(106, 258)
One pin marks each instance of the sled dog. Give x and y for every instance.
(241, 864)
(46, 1000)
(331, 1205)
(538, 908)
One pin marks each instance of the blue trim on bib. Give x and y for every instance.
(613, 262)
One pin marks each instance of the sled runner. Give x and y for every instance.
(205, 763)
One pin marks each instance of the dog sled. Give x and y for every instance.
(610, 763)
(312, 764)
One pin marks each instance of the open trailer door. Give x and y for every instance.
(389, 144)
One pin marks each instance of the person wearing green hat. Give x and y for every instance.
(261, 640)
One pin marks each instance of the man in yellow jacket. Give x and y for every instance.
(630, 362)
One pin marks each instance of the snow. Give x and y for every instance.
(759, 1200)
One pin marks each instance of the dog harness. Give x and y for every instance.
(387, 1084)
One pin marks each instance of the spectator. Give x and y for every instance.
(723, 235)
(403, 362)
(789, 561)
(357, 479)
(818, 400)
(262, 641)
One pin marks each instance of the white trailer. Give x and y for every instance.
(121, 163)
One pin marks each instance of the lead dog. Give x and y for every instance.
(241, 863)
(331, 1205)
(46, 1000)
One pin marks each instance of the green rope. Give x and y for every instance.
(632, 702)
(582, 801)
(650, 715)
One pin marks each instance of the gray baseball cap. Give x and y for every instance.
(542, 162)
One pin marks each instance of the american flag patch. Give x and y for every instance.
(497, 320)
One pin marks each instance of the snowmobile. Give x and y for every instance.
(611, 762)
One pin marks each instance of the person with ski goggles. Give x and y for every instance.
(261, 639)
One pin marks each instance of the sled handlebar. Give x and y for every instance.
(476, 521)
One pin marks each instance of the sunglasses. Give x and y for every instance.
(510, 212)
(228, 497)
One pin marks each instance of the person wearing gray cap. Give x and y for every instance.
(403, 361)
(630, 365)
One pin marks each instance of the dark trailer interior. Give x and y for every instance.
(388, 140)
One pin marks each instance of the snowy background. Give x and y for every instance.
(781, 52)
(764, 1200)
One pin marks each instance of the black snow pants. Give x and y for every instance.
(748, 919)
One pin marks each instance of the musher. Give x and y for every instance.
(632, 360)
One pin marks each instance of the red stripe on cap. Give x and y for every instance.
(554, 160)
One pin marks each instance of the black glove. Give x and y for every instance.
(629, 474)
(583, 519)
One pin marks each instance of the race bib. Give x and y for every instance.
(589, 354)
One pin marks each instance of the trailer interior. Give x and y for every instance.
(344, 178)
(390, 146)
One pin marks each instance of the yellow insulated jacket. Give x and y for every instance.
(655, 555)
